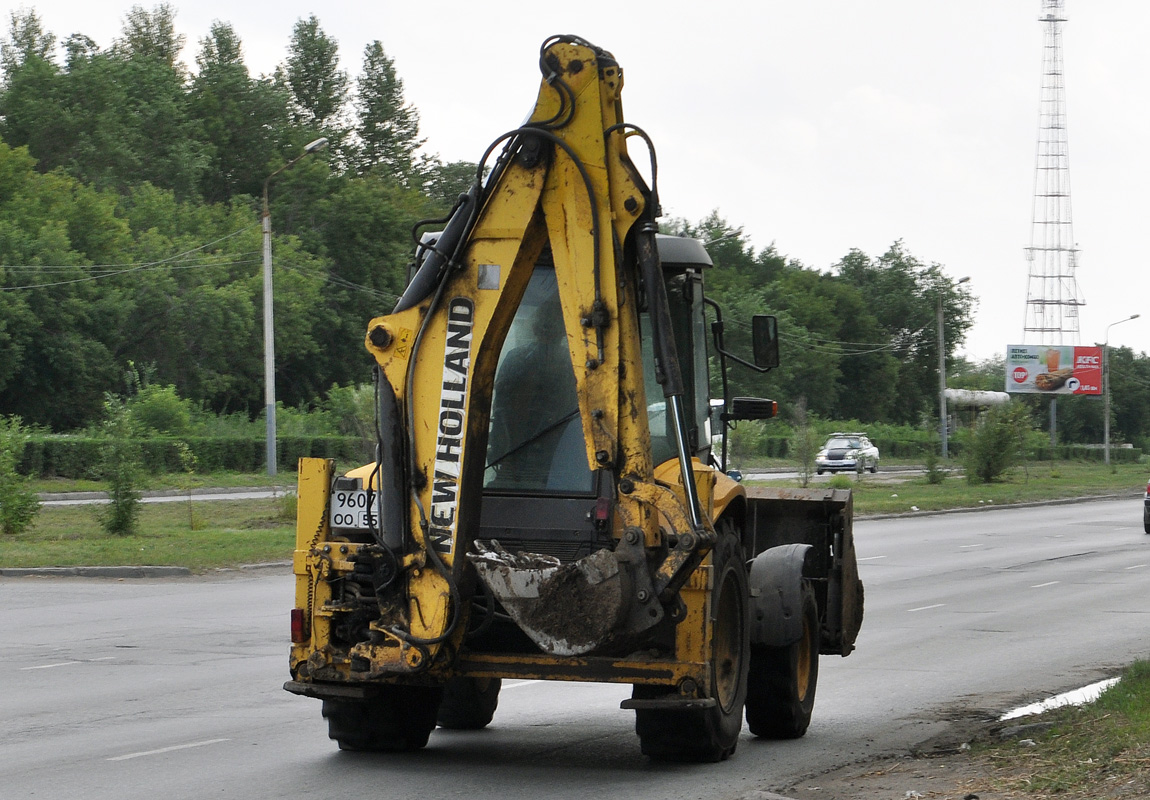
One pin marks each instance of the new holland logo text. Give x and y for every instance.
(452, 421)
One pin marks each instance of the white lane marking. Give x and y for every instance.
(1041, 585)
(926, 608)
(870, 558)
(1077, 697)
(167, 749)
(69, 663)
(521, 683)
(965, 546)
(1136, 566)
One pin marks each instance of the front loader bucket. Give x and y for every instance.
(566, 609)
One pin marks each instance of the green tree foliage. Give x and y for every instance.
(318, 86)
(387, 127)
(902, 293)
(18, 501)
(120, 467)
(997, 442)
(111, 119)
(129, 232)
(244, 122)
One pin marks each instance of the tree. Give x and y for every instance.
(443, 183)
(997, 442)
(318, 86)
(243, 122)
(387, 127)
(120, 458)
(27, 41)
(151, 36)
(30, 112)
(18, 501)
(902, 293)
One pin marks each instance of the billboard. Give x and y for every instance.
(1053, 369)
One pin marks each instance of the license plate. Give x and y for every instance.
(352, 509)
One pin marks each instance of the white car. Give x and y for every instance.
(847, 452)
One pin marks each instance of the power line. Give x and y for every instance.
(114, 270)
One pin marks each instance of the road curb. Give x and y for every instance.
(94, 572)
(132, 572)
(1000, 506)
(57, 496)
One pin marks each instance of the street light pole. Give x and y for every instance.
(1106, 388)
(942, 431)
(269, 324)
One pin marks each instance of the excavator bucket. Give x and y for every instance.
(567, 609)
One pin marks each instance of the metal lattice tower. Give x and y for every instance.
(1052, 299)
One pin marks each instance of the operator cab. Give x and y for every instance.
(535, 441)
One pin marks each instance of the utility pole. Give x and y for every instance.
(269, 317)
(943, 431)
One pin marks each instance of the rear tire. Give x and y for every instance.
(398, 719)
(782, 682)
(469, 703)
(710, 734)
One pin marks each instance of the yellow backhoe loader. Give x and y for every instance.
(545, 502)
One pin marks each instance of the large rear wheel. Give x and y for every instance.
(782, 681)
(398, 719)
(708, 734)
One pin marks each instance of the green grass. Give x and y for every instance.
(205, 536)
(877, 494)
(227, 533)
(1098, 750)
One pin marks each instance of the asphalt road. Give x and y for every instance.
(171, 688)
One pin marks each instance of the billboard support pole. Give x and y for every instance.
(1053, 422)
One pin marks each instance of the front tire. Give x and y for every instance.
(399, 719)
(782, 682)
(709, 734)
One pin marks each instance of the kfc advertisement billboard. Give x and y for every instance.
(1053, 369)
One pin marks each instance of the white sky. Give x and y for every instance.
(819, 126)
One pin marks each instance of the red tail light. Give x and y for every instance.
(298, 626)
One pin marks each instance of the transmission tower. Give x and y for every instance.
(1052, 299)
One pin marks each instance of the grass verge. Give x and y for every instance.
(1098, 750)
(197, 535)
(877, 494)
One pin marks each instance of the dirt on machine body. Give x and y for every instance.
(545, 502)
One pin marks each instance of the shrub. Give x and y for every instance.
(839, 482)
(934, 475)
(160, 409)
(120, 457)
(18, 502)
(997, 442)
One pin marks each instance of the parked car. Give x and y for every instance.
(1146, 509)
(847, 452)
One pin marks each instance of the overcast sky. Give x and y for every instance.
(816, 126)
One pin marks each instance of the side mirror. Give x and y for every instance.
(765, 341)
(748, 408)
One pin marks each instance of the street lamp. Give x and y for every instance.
(942, 374)
(1106, 388)
(269, 327)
